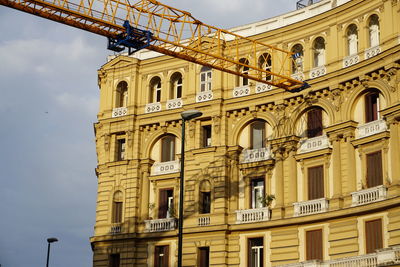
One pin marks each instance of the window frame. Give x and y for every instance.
(312, 193)
(120, 148)
(165, 202)
(315, 124)
(157, 252)
(374, 173)
(176, 86)
(206, 131)
(206, 83)
(254, 202)
(253, 126)
(114, 260)
(201, 253)
(168, 148)
(311, 246)
(377, 235)
(260, 252)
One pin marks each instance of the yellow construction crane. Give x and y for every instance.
(149, 24)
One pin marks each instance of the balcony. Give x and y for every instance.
(310, 207)
(160, 168)
(152, 107)
(371, 52)
(116, 228)
(317, 72)
(371, 128)
(369, 195)
(254, 155)
(252, 215)
(241, 91)
(383, 257)
(118, 112)
(174, 103)
(204, 96)
(350, 60)
(315, 143)
(160, 225)
(298, 76)
(263, 87)
(204, 221)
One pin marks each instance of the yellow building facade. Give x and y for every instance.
(272, 178)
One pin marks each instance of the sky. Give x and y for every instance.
(48, 104)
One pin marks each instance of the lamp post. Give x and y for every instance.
(186, 116)
(49, 240)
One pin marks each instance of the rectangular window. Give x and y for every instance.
(314, 123)
(168, 148)
(206, 136)
(315, 182)
(114, 260)
(371, 107)
(205, 202)
(257, 193)
(161, 254)
(204, 257)
(374, 169)
(205, 80)
(166, 204)
(314, 246)
(117, 212)
(257, 134)
(120, 149)
(373, 235)
(256, 252)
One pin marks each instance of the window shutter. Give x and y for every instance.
(374, 169)
(314, 123)
(204, 253)
(117, 212)
(314, 249)
(163, 204)
(371, 107)
(373, 235)
(315, 182)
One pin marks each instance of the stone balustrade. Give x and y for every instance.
(315, 143)
(174, 103)
(371, 128)
(252, 215)
(204, 96)
(118, 112)
(160, 168)
(368, 195)
(351, 60)
(160, 225)
(317, 72)
(254, 155)
(116, 228)
(263, 87)
(152, 107)
(372, 51)
(310, 207)
(241, 91)
(204, 221)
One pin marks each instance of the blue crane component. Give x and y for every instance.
(134, 39)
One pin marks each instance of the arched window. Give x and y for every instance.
(265, 63)
(117, 207)
(352, 40)
(314, 122)
(122, 95)
(245, 70)
(155, 89)
(373, 26)
(176, 86)
(205, 197)
(257, 134)
(319, 52)
(298, 53)
(205, 79)
(168, 148)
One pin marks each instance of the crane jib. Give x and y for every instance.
(133, 38)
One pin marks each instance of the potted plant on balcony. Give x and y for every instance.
(151, 210)
(266, 201)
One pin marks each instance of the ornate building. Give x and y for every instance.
(272, 178)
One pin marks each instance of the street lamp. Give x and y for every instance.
(49, 240)
(186, 116)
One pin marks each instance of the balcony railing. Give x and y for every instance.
(204, 96)
(174, 103)
(371, 52)
(160, 168)
(383, 257)
(252, 215)
(118, 112)
(254, 155)
(310, 207)
(204, 221)
(317, 72)
(298, 76)
(160, 225)
(116, 228)
(152, 107)
(241, 91)
(315, 143)
(350, 60)
(371, 128)
(368, 195)
(263, 87)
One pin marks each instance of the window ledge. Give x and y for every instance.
(204, 150)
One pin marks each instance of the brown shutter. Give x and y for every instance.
(163, 204)
(117, 212)
(315, 182)
(371, 107)
(373, 235)
(314, 123)
(314, 247)
(374, 169)
(204, 258)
